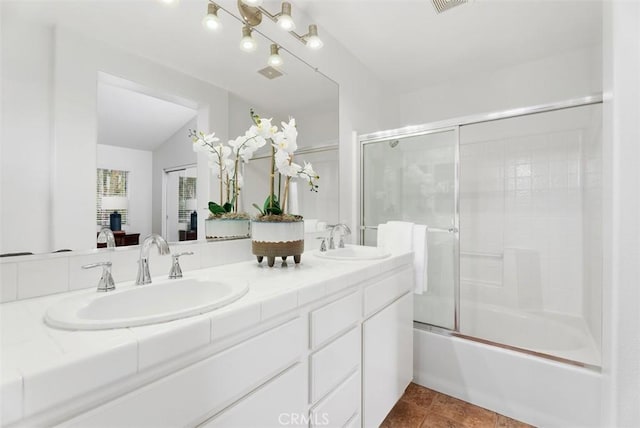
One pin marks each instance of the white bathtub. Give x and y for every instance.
(552, 334)
(529, 388)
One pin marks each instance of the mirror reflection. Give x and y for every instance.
(107, 95)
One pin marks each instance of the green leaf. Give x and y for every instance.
(227, 207)
(258, 208)
(216, 209)
(271, 205)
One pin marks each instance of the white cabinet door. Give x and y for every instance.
(387, 366)
(280, 402)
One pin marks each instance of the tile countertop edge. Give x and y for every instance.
(266, 304)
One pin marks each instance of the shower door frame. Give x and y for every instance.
(455, 229)
(455, 124)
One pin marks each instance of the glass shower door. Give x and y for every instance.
(414, 179)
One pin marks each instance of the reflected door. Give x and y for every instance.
(414, 179)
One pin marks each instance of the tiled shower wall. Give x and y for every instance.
(527, 219)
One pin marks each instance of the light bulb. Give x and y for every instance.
(170, 2)
(313, 41)
(275, 60)
(247, 43)
(211, 20)
(252, 3)
(285, 21)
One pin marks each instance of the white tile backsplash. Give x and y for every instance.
(8, 282)
(40, 277)
(44, 274)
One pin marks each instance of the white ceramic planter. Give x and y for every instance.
(277, 239)
(220, 228)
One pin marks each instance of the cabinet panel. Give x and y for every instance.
(333, 363)
(330, 320)
(339, 407)
(187, 396)
(387, 365)
(280, 402)
(381, 293)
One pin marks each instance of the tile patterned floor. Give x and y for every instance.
(420, 407)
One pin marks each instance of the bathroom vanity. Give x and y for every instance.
(323, 343)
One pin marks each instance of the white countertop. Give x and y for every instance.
(42, 367)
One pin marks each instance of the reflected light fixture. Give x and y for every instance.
(284, 19)
(247, 43)
(311, 38)
(275, 60)
(211, 20)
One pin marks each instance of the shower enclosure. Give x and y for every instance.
(513, 205)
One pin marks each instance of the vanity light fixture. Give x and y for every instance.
(285, 21)
(275, 60)
(247, 43)
(211, 20)
(311, 38)
(252, 3)
(252, 16)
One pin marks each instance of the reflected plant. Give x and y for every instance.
(283, 145)
(224, 163)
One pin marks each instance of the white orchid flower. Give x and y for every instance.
(282, 158)
(310, 175)
(265, 129)
(211, 138)
(290, 131)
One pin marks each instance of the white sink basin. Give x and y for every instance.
(353, 252)
(141, 305)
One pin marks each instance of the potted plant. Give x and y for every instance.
(225, 161)
(274, 231)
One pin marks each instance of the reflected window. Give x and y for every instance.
(111, 182)
(186, 194)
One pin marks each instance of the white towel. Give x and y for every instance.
(396, 236)
(420, 258)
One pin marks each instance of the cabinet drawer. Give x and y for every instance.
(339, 407)
(333, 363)
(189, 395)
(381, 293)
(282, 401)
(330, 320)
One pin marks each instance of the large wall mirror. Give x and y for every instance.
(98, 98)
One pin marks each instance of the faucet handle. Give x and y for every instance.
(323, 244)
(106, 282)
(176, 270)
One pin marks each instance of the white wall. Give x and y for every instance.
(75, 121)
(559, 77)
(138, 163)
(621, 328)
(27, 94)
(175, 152)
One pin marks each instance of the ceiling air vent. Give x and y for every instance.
(442, 5)
(270, 73)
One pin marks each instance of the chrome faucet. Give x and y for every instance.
(107, 234)
(144, 277)
(176, 270)
(345, 232)
(106, 280)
